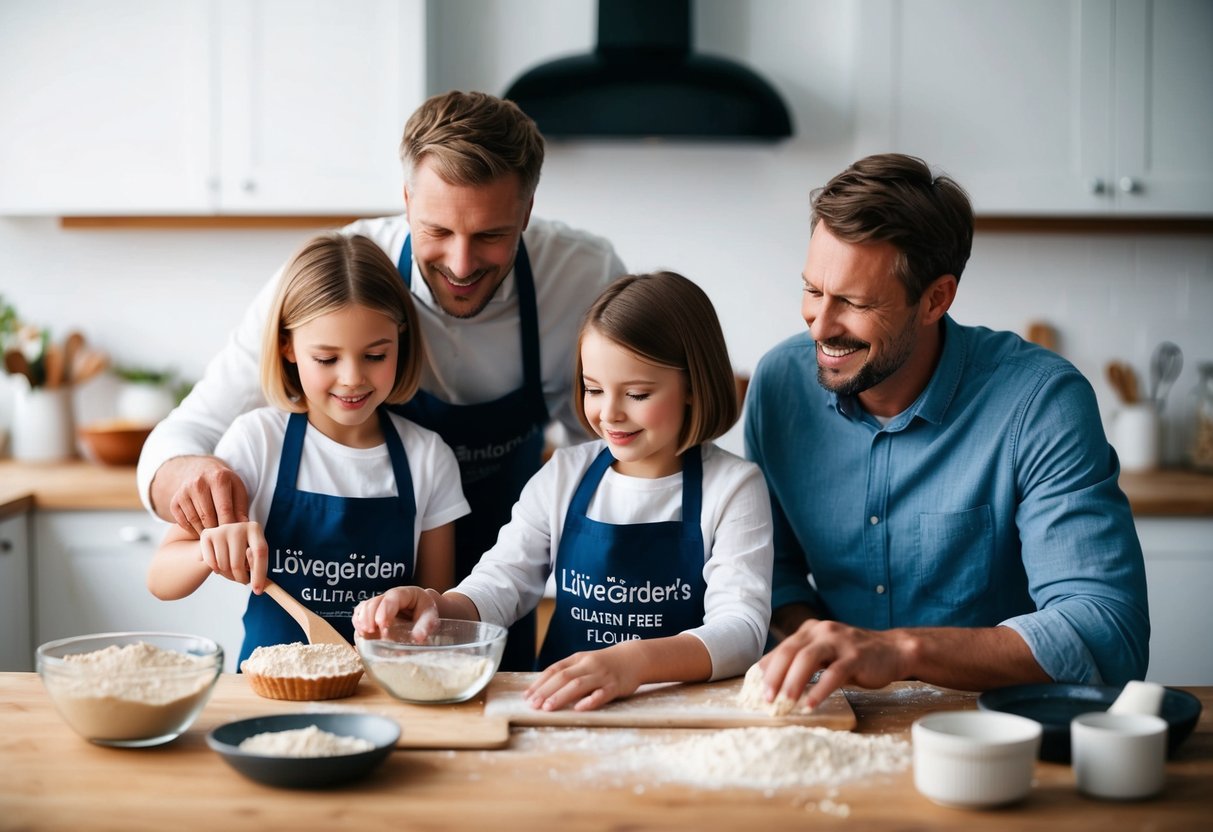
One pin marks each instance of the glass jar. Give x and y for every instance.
(1202, 435)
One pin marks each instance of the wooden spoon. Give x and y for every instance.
(71, 348)
(52, 365)
(88, 363)
(317, 630)
(16, 363)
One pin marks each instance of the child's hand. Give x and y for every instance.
(584, 680)
(375, 615)
(238, 552)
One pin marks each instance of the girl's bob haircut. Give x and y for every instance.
(329, 273)
(666, 320)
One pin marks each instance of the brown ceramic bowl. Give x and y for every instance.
(115, 442)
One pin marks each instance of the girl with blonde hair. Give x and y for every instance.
(345, 498)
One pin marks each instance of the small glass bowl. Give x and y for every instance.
(453, 664)
(135, 708)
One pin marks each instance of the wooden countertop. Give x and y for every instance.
(547, 778)
(82, 485)
(66, 485)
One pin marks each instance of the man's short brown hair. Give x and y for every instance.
(895, 198)
(472, 138)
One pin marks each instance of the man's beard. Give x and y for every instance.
(458, 308)
(870, 373)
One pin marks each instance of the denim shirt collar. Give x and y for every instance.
(932, 404)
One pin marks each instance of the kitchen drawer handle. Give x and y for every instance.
(1098, 186)
(134, 534)
(6, 546)
(1129, 185)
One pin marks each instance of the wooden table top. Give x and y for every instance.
(547, 778)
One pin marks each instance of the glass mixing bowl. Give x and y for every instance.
(130, 690)
(453, 664)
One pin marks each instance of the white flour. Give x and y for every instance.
(303, 661)
(131, 692)
(304, 742)
(766, 758)
(750, 697)
(432, 677)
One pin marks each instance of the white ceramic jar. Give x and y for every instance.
(143, 404)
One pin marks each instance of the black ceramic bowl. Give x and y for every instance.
(1055, 705)
(306, 772)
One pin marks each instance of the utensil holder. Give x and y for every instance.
(43, 429)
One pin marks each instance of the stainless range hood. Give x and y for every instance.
(643, 80)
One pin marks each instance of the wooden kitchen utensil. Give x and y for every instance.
(87, 364)
(1123, 381)
(16, 364)
(703, 705)
(317, 630)
(1042, 334)
(71, 348)
(52, 365)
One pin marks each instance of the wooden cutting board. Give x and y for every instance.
(421, 726)
(706, 705)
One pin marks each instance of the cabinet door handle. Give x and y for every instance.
(1129, 185)
(1098, 186)
(6, 546)
(134, 534)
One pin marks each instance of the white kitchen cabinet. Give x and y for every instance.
(1179, 573)
(1046, 107)
(16, 641)
(90, 570)
(206, 106)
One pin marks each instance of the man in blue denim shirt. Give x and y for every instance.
(945, 502)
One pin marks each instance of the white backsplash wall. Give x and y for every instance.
(733, 217)
(169, 298)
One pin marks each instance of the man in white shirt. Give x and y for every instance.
(500, 297)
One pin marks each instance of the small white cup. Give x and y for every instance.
(974, 758)
(1135, 436)
(1119, 756)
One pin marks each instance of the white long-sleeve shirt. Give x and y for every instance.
(468, 360)
(736, 523)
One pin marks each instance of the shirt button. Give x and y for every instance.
(880, 589)
(873, 519)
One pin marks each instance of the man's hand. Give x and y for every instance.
(845, 656)
(199, 492)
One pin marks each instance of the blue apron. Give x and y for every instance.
(499, 446)
(617, 583)
(331, 552)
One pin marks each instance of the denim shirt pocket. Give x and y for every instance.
(956, 557)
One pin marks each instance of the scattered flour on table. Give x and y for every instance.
(304, 742)
(432, 677)
(750, 697)
(302, 661)
(766, 758)
(751, 758)
(130, 692)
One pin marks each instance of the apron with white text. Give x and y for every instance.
(331, 552)
(617, 583)
(499, 446)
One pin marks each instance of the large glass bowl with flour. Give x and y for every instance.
(452, 664)
(130, 690)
